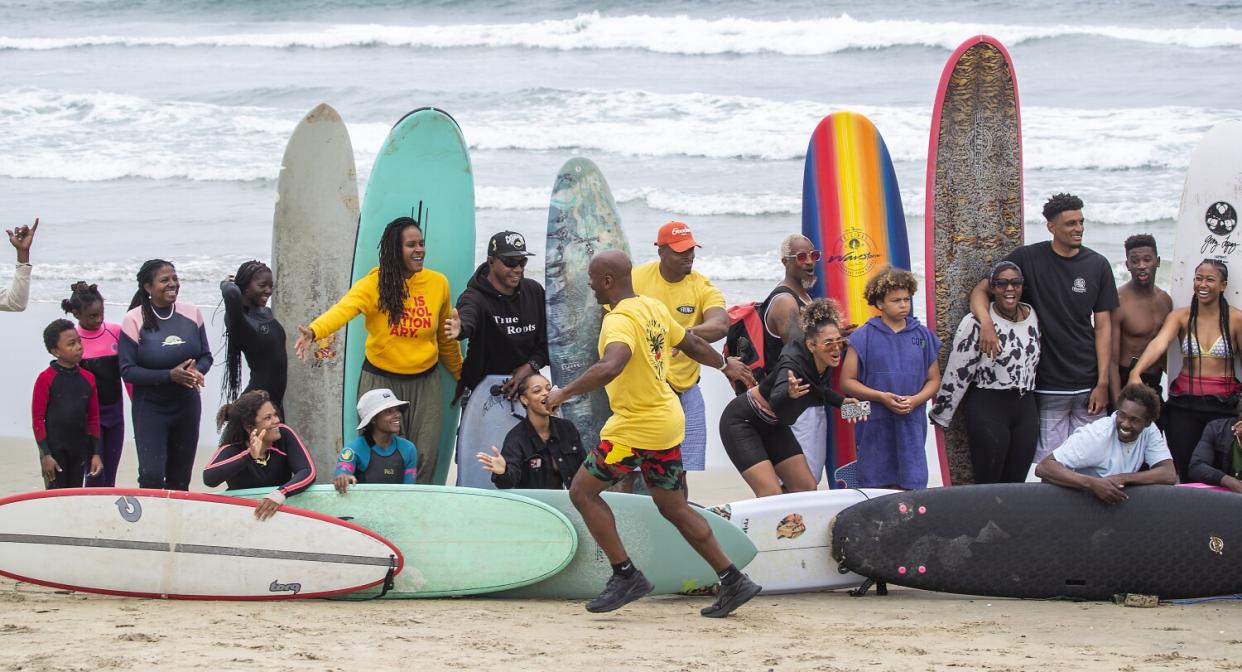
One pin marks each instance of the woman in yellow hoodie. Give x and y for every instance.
(405, 307)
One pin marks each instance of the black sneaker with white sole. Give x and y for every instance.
(619, 592)
(732, 596)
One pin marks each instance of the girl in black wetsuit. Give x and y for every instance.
(251, 330)
(257, 450)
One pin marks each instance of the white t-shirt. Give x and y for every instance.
(1095, 450)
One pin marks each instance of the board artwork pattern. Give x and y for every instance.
(978, 183)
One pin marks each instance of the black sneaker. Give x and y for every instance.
(619, 592)
(732, 596)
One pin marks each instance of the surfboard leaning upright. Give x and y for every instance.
(423, 162)
(582, 222)
(852, 213)
(974, 200)
(316, 218)
(1207, 220)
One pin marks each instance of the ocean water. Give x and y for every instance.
(139, 129)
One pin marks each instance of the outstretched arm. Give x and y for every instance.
(1158, 345)
(616, 356)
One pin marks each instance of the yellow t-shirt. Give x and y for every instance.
(686, 301)
(645, 413)
(418, 342)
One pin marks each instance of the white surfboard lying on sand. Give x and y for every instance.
(791, 533)
(160, 543)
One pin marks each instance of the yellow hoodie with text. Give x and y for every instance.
(417, 341)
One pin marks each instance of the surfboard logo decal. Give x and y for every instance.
(1216, 545)
(856, 251)
(277, 587)
(791, 527)
(130, 509)
(1221, 218)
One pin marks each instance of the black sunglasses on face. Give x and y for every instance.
(1007, 282)
(513, 262)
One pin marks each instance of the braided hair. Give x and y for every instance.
(392, 290)
(245, 275)
(81, 295)
(237, 418)
(146, 275)
(1192, 325)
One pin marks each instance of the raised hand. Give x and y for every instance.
(494, 462)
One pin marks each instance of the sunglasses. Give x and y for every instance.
(1012, 282)
(513, 262)
(835, 344)
(804, 257)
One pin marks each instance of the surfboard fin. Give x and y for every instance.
(881, 588)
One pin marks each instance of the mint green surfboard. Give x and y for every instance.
(423, 160)
(456, 541)
(652, 542)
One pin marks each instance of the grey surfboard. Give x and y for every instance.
(485, 422)
(313, 230)
(582, 222)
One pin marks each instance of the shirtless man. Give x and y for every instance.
(1139, 317)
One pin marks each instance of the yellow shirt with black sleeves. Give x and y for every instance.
(645, 413)
(417, 342)
(686, 300)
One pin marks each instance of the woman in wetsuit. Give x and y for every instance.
(251, 330)
(100, 343)
(1206, 389)
(755, 426)
(257, 450)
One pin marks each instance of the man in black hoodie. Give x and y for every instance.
(503, 314)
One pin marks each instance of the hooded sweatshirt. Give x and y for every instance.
(505, 331)
(775, 386)
(895, 362)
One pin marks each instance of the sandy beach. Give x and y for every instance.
(907, 630)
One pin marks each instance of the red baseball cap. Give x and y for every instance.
(677, 236)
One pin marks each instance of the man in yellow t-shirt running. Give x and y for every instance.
(643, 434)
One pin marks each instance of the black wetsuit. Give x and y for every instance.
(261, 340)
(289, 466)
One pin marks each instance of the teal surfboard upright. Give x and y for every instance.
(423, 162)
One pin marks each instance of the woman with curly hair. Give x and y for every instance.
(892, 362)
(755, 426)
(251, 330)
(406, 307)
(257, 450)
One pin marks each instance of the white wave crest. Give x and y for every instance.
(679, 34)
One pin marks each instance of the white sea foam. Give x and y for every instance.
(679, 34)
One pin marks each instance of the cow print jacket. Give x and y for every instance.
(1013, 368)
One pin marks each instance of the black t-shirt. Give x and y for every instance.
(1065, 292)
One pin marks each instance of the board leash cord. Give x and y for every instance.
(389, 580)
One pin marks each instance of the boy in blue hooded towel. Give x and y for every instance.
(892, 362)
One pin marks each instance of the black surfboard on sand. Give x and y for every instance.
(1044, 541)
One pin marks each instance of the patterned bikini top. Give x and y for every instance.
(1220, 349)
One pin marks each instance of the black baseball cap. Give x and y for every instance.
(507, 244)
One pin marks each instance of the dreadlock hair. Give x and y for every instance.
(392, 292)
(81, 295)
(237, 418)
(232, 377)
(1143, 396)
(146, 274)
(1141, 240)
(817, 315)
(1192, 325)
(52, 332)
(1060, 203)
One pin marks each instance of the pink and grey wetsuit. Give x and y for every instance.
(100, 349)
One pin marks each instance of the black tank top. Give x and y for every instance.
(772, 344)
(380, 469)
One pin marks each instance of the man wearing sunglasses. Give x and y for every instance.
(503, 314)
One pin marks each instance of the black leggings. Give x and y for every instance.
(748, 440)
(1185, 417)
(1002, 427)
(166, 434)
(74, 465)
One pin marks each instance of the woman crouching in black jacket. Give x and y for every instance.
(543, 452)
(755, 426)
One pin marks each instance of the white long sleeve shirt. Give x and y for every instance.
(14, 298)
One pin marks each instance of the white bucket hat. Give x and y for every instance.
(371, 403)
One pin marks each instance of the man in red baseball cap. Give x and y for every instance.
(697, 306)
